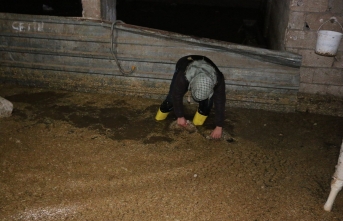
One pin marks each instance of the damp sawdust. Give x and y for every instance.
(77, 156)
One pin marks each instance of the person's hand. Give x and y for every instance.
(217, 133)
(181, 121)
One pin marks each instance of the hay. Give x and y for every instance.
(190, 127)
(225, 136)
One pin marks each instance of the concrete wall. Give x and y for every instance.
(319, 75)
(91, 9)
(99, 10)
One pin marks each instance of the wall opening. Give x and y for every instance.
(237, 21)
(241, 23)
(67, 8)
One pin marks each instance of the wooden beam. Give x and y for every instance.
(108, 10)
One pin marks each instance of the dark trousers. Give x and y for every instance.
(204, 108)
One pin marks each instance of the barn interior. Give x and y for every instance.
(70, 155)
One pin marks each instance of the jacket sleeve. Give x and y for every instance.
(219, 100)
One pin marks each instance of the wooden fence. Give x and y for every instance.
(80, 55)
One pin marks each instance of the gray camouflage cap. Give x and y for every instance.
(201, 87)
(202, 79)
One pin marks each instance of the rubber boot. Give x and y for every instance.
(199, 119)
(160, 115)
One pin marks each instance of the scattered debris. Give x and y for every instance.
(225, 136)
(6, 108)
(190, 127)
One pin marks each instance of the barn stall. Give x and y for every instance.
(88, 55)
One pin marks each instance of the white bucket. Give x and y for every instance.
(328, 41)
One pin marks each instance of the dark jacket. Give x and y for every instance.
(180, 88)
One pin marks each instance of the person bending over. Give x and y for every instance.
(202, 77)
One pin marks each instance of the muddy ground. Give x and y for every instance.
(77, 156)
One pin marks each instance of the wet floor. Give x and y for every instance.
(118, 121)
(78, 156)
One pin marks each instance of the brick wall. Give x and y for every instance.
(319, 75)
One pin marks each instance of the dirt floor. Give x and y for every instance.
(77, 156)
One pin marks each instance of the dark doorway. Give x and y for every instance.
(68, 8)
(241, 25)
(236, 25)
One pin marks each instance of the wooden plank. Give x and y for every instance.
(108, 10)
(144, 87)
(133, 53)
(92, 30)
(257, 77)
(68, 32)
(282, 58)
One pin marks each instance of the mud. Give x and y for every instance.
(81, 156)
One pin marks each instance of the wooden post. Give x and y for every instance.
(108, 10)
(337, 182)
